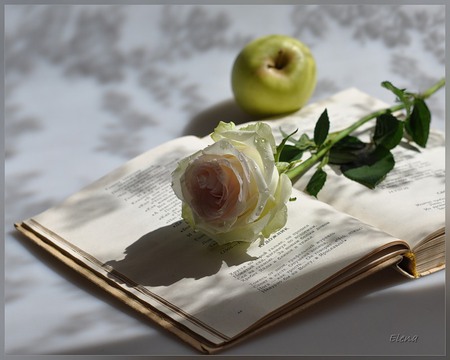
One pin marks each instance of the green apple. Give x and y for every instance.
(272, 75)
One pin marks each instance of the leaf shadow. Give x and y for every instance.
(166, 256)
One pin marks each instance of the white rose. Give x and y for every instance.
(231, 190)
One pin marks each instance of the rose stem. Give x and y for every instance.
(296, 172)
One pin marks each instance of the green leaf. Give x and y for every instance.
(418, 124)
(370, 170)
(388, 131)
(349, 143)
(316, 182)
(290, 153)
(346, 150)
(338, 157)
(321, 129)
(282, 145)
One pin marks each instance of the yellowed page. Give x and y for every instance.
(409, 203)
(127, 226)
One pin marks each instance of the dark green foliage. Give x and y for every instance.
(322, 128)
(316, 182)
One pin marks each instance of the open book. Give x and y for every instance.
(124, 232)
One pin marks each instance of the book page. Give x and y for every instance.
(410, 202)
(128, 227)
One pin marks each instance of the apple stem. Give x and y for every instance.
(280, 61)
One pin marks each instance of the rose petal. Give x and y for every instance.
(231, 190)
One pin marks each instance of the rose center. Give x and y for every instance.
(215, 190)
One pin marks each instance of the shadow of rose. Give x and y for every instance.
(204, 123)
(166, 256)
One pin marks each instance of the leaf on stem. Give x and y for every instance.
(371, 169)
(401, 94)
(280, 148)
(316, 182)
(321, 129)
(418, 124)
(290, 153)
(346, 150)
(388, 131)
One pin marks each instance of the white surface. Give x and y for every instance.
(88, 87)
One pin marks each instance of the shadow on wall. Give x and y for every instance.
(205, 122)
